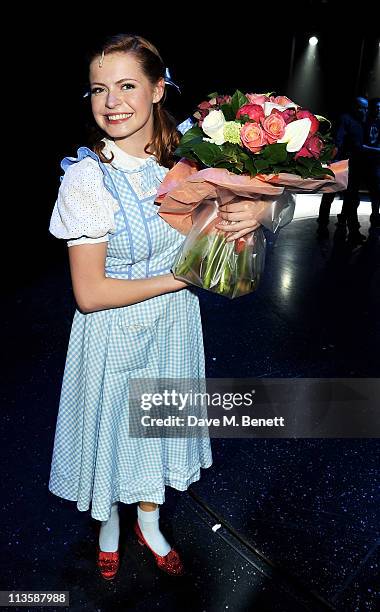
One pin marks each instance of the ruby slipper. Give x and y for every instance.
(170, 563)
(108, 563)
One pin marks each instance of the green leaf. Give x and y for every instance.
(304, 172)
(327, 153)
(236, 167)
(213, 95)
(319, 172)
(262, 164)
(231, 150)
(208, 153)
(188, 148)
(250, 166)
(187, 154)
(328, 172)
(238, 100)
(191, 135)
(244, 119)
(235, 170)
(307, 162)
(275, 152)
(189, 140)
(227, 112)
(277, 169)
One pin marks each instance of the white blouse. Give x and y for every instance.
(84, 210)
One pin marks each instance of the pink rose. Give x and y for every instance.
(202, 112)
(281, 100)
(315, 145)
(257, 99)
(254, 111)
(288, 115)
(274, 127)
(224, 99)
(205, 107)
(304, 152)
(220, 100)
(312, 148)
(253, 137)
(305, 114)
(209, 104)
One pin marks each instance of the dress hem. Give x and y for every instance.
(156, 496)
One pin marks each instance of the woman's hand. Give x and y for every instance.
(243, 214)
(173, 283)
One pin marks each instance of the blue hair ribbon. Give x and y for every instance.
(169, 81)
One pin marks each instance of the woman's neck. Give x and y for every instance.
(130, 150)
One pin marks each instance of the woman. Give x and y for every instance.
(134, 319)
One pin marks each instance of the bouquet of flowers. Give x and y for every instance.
(255, 147)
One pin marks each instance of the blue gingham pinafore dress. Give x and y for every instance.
(94, 461)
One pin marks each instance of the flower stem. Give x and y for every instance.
(212, 259)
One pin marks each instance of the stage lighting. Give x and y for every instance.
(313, 41)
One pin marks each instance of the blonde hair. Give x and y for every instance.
(165, 134)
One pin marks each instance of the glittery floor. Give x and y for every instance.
(299, 519)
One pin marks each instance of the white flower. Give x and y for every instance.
(269, 106)
(296, 133)
(213, 126)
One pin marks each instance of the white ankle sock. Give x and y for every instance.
(110, 531)
(148, 523)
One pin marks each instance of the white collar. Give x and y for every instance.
(121, 159)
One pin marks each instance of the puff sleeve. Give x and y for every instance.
(84, 210)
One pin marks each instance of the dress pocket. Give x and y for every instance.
(134, 344)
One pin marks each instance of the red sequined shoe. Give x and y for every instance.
(170, 563)
(108, 563)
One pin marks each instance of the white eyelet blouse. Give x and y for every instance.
(84, 210)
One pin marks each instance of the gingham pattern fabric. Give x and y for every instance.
(95, 462)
